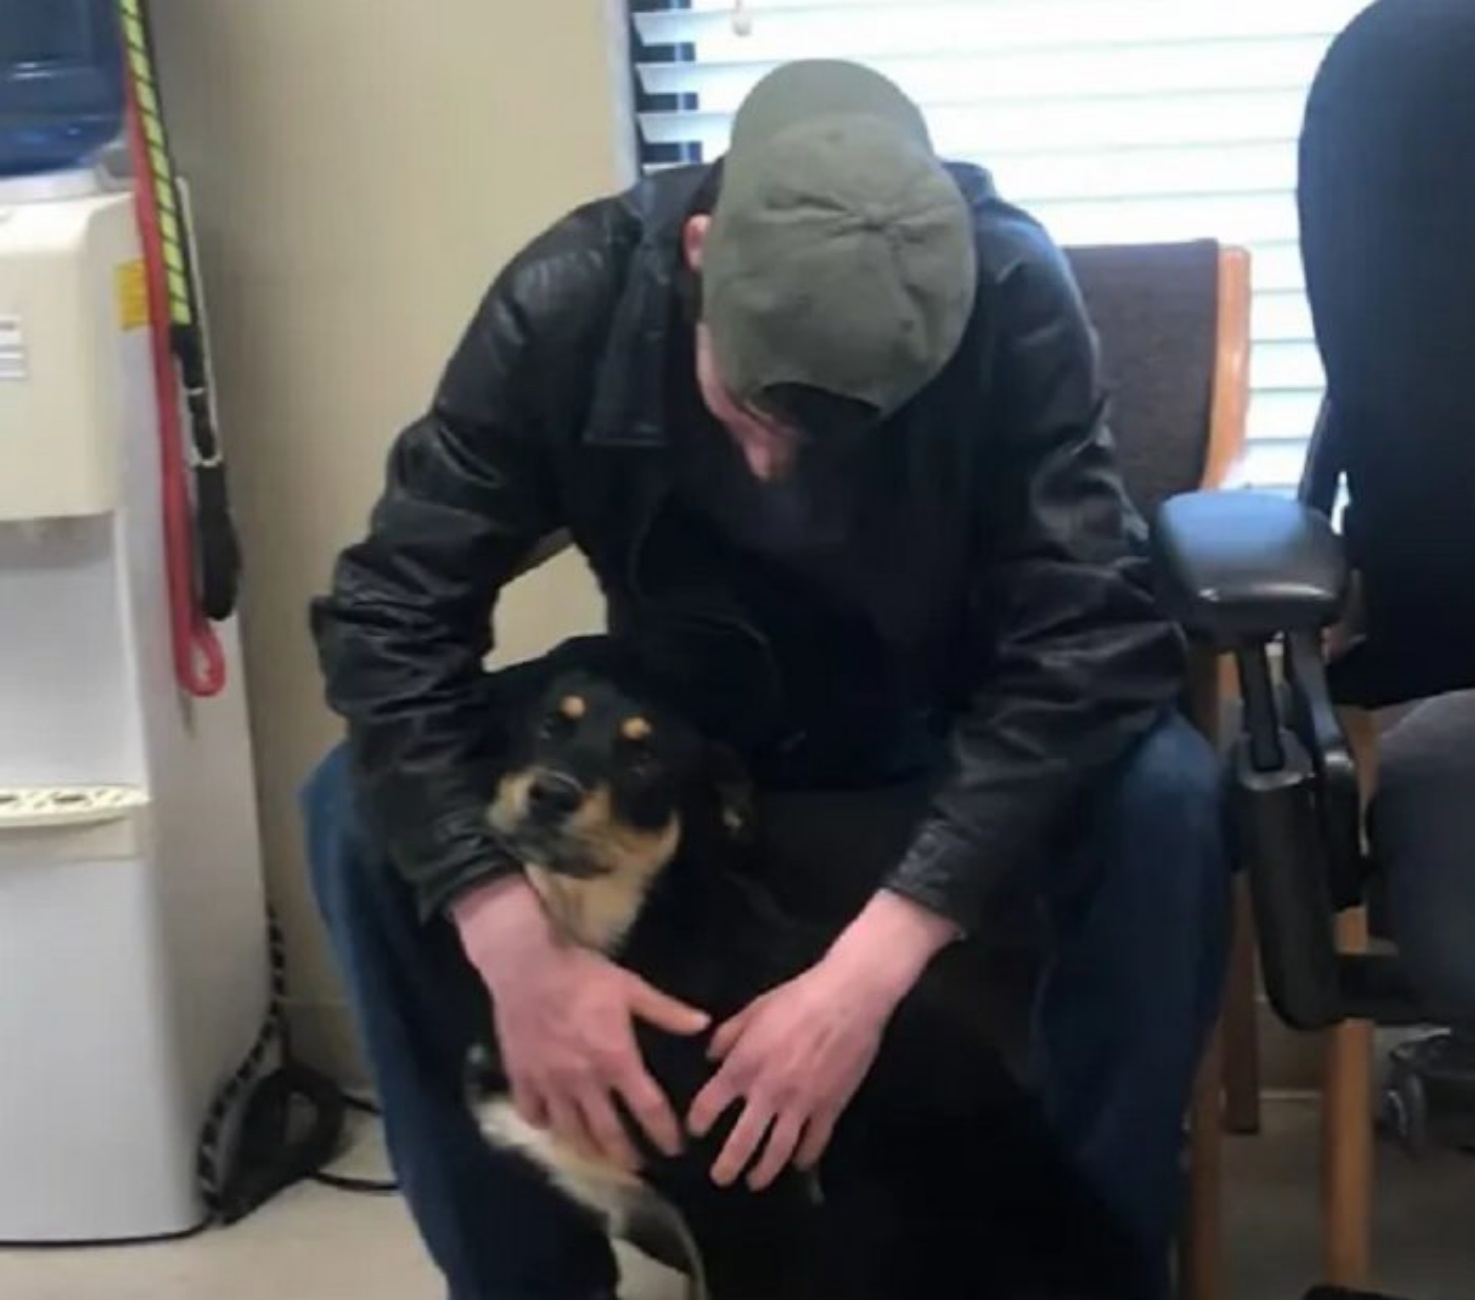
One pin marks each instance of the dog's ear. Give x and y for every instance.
(734, 788)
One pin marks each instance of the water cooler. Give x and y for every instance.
(133, 962)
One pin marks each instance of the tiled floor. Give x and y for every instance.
(317, 1244)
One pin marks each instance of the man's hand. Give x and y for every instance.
(798, 1053)
(563, 1019)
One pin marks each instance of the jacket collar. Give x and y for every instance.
(629, 403)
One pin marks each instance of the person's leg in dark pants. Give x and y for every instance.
(493, 1226)
(1423, 831)
(1139, 911)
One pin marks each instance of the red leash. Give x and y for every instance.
(199, 662)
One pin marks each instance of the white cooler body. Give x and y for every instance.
(133, 956)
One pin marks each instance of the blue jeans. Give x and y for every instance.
(1138, 913)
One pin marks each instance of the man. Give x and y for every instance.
(826, 420)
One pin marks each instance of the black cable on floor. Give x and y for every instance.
(348, 1182)
(359, 1186)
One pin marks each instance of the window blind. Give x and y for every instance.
(1112, 121)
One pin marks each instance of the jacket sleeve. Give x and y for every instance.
(467, 501)
(1072, 660)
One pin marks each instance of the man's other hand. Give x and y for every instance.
(564, 1024)
(796, 1055)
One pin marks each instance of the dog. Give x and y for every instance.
(941, 1179)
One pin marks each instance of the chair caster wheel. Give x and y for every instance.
(1429, 1100)
(1405, 1111)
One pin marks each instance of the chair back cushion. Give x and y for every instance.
(1155, 310)
(1387, 207)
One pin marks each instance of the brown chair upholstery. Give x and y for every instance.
(1156, 312)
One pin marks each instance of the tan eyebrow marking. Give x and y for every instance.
(572, 707)
(636, 728)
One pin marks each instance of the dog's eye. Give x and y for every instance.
(556, 725)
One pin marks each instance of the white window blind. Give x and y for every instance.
(1112, 121)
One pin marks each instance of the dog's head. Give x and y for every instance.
(604, 779)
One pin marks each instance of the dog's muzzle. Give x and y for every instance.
(552, 796)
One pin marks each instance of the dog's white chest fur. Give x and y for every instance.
(619, 1199)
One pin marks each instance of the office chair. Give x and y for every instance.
(1377, 613)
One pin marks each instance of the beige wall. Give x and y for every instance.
(360, 169)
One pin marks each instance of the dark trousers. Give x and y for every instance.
(1137, 914)
(1423, 828)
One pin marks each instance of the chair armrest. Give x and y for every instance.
(1312, 715)
(1241, 568)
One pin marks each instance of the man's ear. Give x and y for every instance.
(734, 788)
(689, 273)
(694, 240)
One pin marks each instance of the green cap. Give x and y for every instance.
(841, 253)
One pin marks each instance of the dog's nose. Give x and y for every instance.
(554, 795)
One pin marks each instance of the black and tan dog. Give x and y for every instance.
(940, 1180)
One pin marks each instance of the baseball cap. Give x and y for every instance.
(839, 271)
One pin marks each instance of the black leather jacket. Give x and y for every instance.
(1004, 557)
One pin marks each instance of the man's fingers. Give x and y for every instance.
(567, 1125)
(728, 1033)
(665, 1012)
(816, 1139)
(531, 1105)
(709, 1104)
(652, 1112)
(608, 1132)
(778, 1150)
(741, 1144)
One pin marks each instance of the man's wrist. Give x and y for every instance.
(498, 919)
(485, 895)
(891, 943)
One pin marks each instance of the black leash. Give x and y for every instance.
(218, 552)
(268, 1156)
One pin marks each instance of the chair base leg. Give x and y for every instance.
(1347, 1090)
(1241, 1023)
(1201, 1245)
(1347, 1136)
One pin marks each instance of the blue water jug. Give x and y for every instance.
(61, 83)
